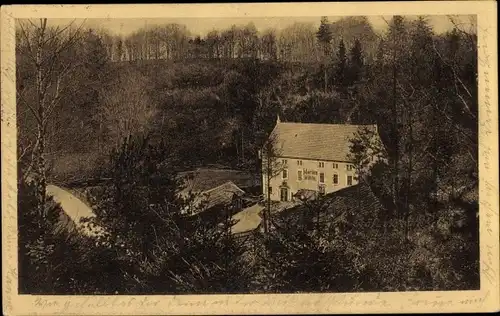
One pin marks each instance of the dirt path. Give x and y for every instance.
(75, 208)
(247, 220)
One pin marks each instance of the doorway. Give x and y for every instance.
(284, 194)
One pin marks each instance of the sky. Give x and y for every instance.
(201, 26)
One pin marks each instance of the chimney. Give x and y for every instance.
(278, 119)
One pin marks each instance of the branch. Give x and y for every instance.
(57, 93)
(456, 77)
(24, 151)
(55, 99)
(466, 34)
(58, 32)
(65, 45)
(472, 157)
(32, 110)
(33, 153)
(33, 24)
(473, 142)
(26, 37)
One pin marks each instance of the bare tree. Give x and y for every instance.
(268, 48)
(45, 48)
(213, 42)
(127, 109)
(271, 167)
(464, 91)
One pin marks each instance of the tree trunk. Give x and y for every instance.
(268, 185)
(395, 136)
(359, 192)
(242, 146)
(40, 175)
(318, 210)
(326, 79)
(41, 181)
(410, 171)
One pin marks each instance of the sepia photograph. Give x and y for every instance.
(248, 155)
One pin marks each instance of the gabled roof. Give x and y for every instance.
(316, 141)
(203, 179)
(222, 194)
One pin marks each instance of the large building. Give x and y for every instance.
(309, 159)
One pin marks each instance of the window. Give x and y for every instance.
(299, 175)
(349, 167)
(321, 164)
(349, 180)
(299, 162)
(321, 189)
(335, 179)
(335, 165)
(284, 162)
(285, 174)
(321, 177)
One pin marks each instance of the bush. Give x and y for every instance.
(160, 249)
(53, 259)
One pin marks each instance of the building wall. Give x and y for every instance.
(311, 170)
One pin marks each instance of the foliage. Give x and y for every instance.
(294, 262)
(167, 251)
(341, 76)
(56, 259)
(324, 35)
(205, 259)
(356, 63)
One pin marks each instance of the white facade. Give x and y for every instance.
(314, 175)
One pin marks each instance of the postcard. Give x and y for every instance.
(270, 158)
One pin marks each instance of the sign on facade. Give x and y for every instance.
(310, 174)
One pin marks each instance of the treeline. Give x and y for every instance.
(297, 42)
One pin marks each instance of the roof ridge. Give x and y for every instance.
(223, 184)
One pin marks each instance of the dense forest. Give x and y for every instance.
(160, 101)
